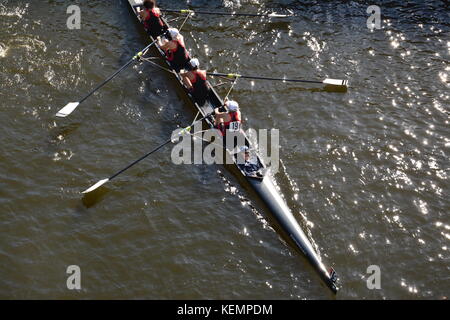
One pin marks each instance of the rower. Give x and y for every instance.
(195, 81)
(175, 49)
(151, 17)
(251, 165)
(228, 119)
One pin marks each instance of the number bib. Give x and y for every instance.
(234, 126)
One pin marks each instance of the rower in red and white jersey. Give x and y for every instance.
(195, 81)
(175, 49)
(151, 17)
(229, 119)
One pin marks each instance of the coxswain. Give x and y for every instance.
(195, 81)
(175, 49)
(251, 165)
(151, 17)
(228, 119)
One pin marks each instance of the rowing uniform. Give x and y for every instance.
(233, 125)
(153, 23)
(200, 87)
(251, 166)
(179, 57)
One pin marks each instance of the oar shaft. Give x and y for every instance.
(155, 150)
(218, 13)
(107, 80)
(140, 159)
(70, 107)
(140, 53)
(232, 75)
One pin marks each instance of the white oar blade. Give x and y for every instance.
(68, 109)
(277, 15)
(96, 186)
(336, 82)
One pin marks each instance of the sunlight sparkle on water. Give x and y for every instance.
(3, 50)
(245, 232)
(395, 44)
(352, 249)
(443, 76)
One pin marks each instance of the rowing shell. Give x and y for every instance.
(263, 186)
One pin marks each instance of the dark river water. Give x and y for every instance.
(366, 172)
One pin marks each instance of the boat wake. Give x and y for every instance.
(307, 225)
(230, 188)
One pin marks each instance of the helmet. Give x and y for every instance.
(232, 105)
(173, 32)
(194, 63)
(244, 149)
